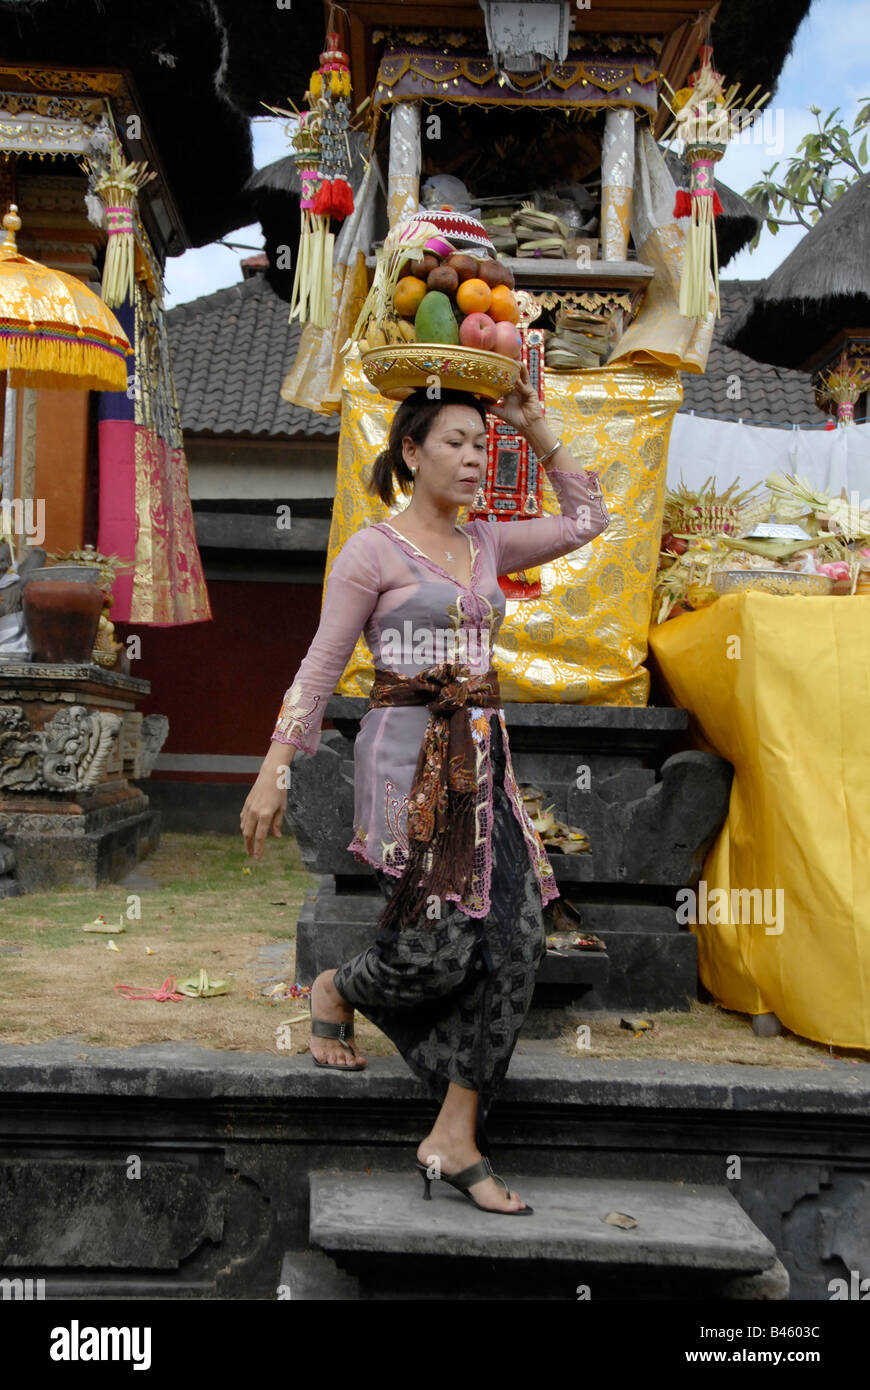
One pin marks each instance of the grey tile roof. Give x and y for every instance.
(768, 394)
(230, 353)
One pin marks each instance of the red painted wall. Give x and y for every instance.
(221, 683)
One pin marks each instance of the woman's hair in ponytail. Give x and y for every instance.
(414, 419)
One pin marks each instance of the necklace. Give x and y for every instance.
(448, 553)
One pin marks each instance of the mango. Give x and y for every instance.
(434, 321)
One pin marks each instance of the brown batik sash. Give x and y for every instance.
(442, 800)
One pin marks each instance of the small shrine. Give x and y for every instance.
(96, 528)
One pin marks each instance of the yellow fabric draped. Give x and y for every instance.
(314, 382)
(781, 688)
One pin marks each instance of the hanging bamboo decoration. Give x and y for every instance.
(703, 121)
(330, 87)
(311, 300)
(117, 184)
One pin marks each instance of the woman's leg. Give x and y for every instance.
(328, 1004)
(450, 1146)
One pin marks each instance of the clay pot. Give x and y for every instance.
(61, 617)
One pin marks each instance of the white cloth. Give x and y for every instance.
(518, 35)
(13, 638)
(831, 460)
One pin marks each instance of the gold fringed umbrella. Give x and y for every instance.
(54, 331)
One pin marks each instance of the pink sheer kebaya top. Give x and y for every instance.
(414, 615)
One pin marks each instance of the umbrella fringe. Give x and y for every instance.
(40, 362)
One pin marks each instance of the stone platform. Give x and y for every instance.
(71, 744)
(178, 1172)
(650, 806)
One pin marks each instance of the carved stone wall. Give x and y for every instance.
(71, 741)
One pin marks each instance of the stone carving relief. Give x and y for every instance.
(155, 731)
(68, 755)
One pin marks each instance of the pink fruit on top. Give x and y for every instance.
(478, 331)
(507, 340)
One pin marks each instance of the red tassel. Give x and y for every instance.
(342, 198)
(717, 206)
(323, 201)
(682, 204)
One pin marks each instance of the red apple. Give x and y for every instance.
(507, 340)
(478, 331)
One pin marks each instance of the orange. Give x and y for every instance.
(474, 296)
(408, 295)
(504, 305)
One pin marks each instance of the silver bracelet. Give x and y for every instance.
(556, 446)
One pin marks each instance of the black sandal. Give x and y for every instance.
(321, 1028)
(475, 1173)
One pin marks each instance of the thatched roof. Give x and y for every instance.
(738, 221)
(823, 286)
(751, 41)
(174, 54)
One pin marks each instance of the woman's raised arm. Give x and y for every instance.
(520, 544)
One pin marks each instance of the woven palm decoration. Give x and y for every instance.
(703, 122)
(115, 182)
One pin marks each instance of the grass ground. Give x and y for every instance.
(203, 904)
(210, 907)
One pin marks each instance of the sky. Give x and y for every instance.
(829, 66)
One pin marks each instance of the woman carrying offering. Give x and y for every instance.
(437, 811)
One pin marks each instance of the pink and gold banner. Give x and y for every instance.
(145, 510)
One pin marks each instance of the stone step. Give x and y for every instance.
(363, 908)
(681, 1226)
(647, 969)
(587, 968)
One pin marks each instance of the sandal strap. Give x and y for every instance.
(475, 1172)
(321, 1028)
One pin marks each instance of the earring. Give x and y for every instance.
(413, 472)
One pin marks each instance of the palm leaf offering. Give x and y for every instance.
(706, 531)
(840, 515)
(706, 512)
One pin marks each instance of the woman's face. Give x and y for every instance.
(452, 461)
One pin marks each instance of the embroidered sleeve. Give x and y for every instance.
(520, 544)
(351, 593)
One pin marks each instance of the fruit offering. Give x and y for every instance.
(453, 298)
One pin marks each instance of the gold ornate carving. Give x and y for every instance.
(593, 301)
(65, 79)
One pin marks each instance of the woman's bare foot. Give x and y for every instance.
(328, 1005)
(455, 1153)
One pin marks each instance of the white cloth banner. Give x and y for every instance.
(831, 460)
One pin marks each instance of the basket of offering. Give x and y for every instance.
(434, 311)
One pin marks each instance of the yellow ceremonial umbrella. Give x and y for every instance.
(54, 331)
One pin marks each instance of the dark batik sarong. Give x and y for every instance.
(453, 993)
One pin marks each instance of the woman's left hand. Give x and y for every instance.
(521, 407)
